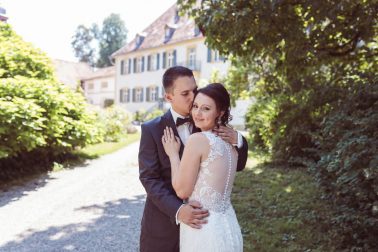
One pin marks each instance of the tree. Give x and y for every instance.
(82, 43)
(314, 66)
(19, 58)
(296, 50)
(109, 39)
(112, 37)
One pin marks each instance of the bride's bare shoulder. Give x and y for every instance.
(197, 139)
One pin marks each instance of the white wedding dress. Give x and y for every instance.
(213, 188)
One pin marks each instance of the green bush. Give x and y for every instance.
(348, 168)
(42, 113)
(113, 122)
(18, 58)
(143, 115)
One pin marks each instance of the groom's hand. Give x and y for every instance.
(193, 215)
(227, 134)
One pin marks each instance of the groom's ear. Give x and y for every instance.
(168, 97)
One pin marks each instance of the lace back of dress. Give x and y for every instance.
(216, 176)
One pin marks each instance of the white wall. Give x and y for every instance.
(98, 94)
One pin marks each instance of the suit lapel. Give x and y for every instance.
(168, 121)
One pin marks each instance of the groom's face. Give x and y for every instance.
(181, 94)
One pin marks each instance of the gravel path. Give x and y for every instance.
(97, 207)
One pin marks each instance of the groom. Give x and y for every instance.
(163, 210)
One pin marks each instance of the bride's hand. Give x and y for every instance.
(170, 142)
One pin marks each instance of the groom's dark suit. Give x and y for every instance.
(159, 230)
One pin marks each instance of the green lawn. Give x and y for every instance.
(109, 147)
(281, 210)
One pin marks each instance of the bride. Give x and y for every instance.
(206, 174)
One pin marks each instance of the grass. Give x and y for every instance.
(281, 209)
(100, 149)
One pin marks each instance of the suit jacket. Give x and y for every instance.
(159, 231)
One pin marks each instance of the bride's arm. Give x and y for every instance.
(184, 173)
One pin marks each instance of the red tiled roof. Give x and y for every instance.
(155, 33)
(70, 73)
(101, 72)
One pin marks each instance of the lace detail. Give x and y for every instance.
(213, 188)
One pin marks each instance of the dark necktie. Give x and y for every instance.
(181, 121)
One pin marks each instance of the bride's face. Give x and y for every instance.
(204, 112)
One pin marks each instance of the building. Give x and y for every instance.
(170, 40)
(71, 73)
(99, 86)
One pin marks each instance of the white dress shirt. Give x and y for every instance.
(183, 130)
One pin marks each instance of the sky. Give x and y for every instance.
(50, 24)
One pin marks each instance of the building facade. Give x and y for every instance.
(169, 41)
(99, 87)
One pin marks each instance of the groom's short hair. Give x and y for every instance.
(172, 73)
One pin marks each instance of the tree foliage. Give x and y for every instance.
(311, 65)
(82, 44)
(39, 117)
(18, 57)
(107, 40)
(112, 37)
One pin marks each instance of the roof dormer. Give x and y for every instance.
(168, 32)
(139, 38)
(176, 18)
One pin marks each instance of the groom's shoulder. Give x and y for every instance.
(153, 122)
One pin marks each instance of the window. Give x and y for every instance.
(125, 95)
(104, 84)
(152, 93)
(138, 64)
(152, 63)
(169, 59)
(138, 94)
(214, 56)
(90, 86)
(192, 58)
(125, 68)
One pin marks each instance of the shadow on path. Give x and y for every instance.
(14, 192)
(116, 229)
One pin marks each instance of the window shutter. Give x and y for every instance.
(121, 95)
(142, 95)
(122, 67)
(135, 65)
(157, 61)
(208, 55)
(129, 66)
(148, 94)
(174, 58)
(142, 64)
(164, 60)
(149, 63)
(128, 95)
(133, 94)
(157, 93)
